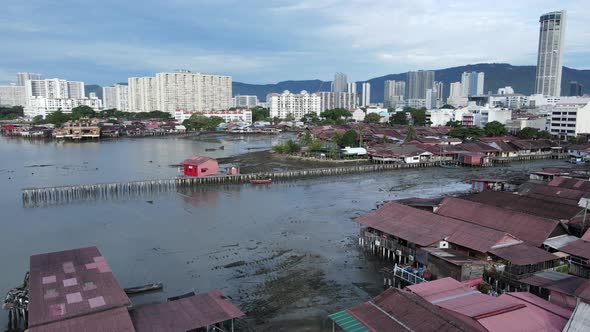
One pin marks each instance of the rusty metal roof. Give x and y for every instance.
(398, 310)
(523, 254)
(114, 320)
(71, 283)
(578, 248)
(526, 227)
(531, 205)
(196, 160)
(560, 282)
(185, 314)
(575, 184)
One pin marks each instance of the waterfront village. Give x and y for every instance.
(508, 255)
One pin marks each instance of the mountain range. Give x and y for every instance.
(497, 75)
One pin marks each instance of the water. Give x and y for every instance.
(285, 253)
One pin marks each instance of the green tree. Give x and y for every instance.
(574, 140)
(58, 118)
(336, 114)
(292, 146)
(198, 121)
(419, 117)
(290, 117)
(372, 118)
(276, 120)
(528, 133)
(350, 138)
(260, 114)
(38, 119)
(495, 128)
(82, 111)
(306, 138)
(411, 135)
(466, 132)
(544, 134)
(337, 137)
(447, 106)
(311, 118)
(11, 113)
(399, 118)
(315, 145)
(333, 153)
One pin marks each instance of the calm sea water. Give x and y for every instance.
(237, 238)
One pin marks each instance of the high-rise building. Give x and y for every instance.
(393, 93)
(456, 97)
(340, 83)
(142, 94)
(55, 88)
(245, 101)
(550, 57)
(351, 87)
(439, 87)
(576, 89)
(168, 92)
(472, 83)
(116, 97)
(109, 97)
(330, 100)
(419, 82)
(13, 95)
(431, 98)
(21, 78)
(297, 105)
(366, 96)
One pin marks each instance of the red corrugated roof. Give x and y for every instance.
(564, 283)
(532, 229)
(417, 226)
(196, 160)
(575, 184)
(408, 309)
(526, 204)
(552, 315)
(523, 254)
(185, 314)
(578, 248)
(586, 236)
(114, 320)
(71, 283)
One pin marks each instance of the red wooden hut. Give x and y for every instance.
(200, 166)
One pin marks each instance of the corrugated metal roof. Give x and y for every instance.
(564, 283)
(559, 241)
(578, 248)
(535, 206)
(196, 160)
(417, 226)
(398, 310)
(532, 229)
(185, 314)
(556, 194)
(114, 320)
(586, 236)
(71, 283)
(523, 254)
(580, 319)
(551, 315)
(575, 184)
(347, 322)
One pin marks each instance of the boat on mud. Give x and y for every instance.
(144, 289)
(261, 181)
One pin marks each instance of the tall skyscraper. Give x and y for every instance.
(393, 93)
(549, 61)
(419, 82)
(366, 97)
(55, 88)
(351, 87)
(21, 78)
(439, 87)
(340, 83)
(576, 89)
(472, 84)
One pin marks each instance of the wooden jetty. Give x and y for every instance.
(35, 197)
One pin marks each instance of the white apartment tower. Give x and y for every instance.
(142, 94)
(116, 97)
(54, 88)
(109, 97)
(550, 57)
(290, 104)
(419, 82)
(366, 96)
(12, 95)
(340, 83)
(23, 77)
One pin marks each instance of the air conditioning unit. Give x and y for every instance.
(443, 245)
(377, 243)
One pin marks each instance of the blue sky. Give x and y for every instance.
(257, 41)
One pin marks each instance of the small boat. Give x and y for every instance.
(144, 288)
(261, 181)
(210, 149)
(448, 165)
(183, 296)
(222, 147)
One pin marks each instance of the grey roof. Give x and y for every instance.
(559, 241)
(580, 320)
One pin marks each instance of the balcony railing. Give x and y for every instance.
(392, 245)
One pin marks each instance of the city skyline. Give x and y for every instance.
(249, 48)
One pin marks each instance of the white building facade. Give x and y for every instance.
(55, 88)
(550, 56)
(44, 106)
(570, 118)
(393, 93)
(13, 95)
(23, 77)
(142, 94)
(245, 101)
(290, 104)
(366, 96)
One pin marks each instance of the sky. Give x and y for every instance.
(261, 41)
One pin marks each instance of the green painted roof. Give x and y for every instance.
(347, 322)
